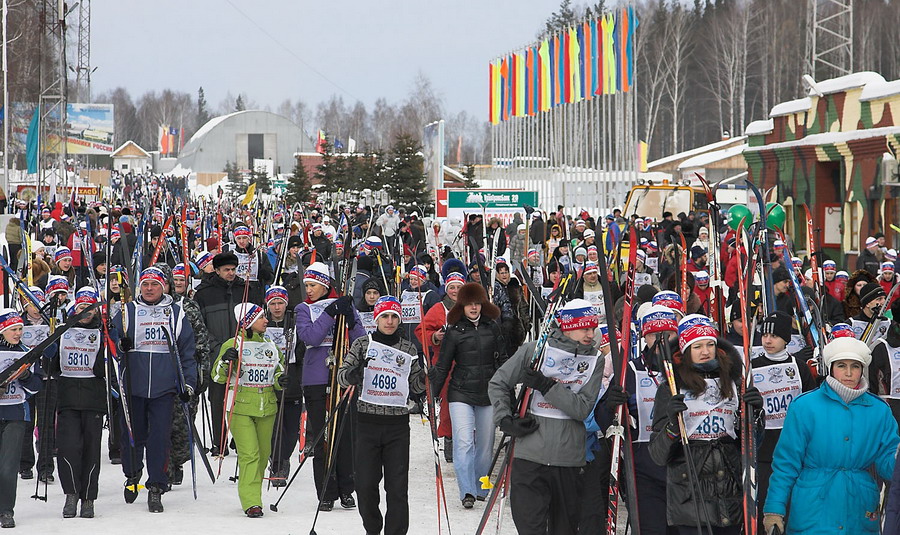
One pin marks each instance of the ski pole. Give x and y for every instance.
(331, 464)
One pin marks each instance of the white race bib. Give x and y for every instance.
(78, 348)
(315, 310)
(859, 328)
(646, 396)
(796, 344)
(247, 265)
(148, 328)
(640, 279)
(410, 309)
(652, 262)
(259, 361)
(33, 335)
(779, 385)
(368, 321)
(709, 416)
(596, 300)
(386, 379)
(573, 371)
(893, 388)
(277, 335)
(13, 393)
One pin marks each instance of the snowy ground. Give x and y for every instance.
(217, 509)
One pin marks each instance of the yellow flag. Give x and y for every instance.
(642, 156)
(251, 192)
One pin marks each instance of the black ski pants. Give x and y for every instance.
(595, 492)
(216, 394)
(545, 499)
(11, 433)
(341, 480)
(151, 419)
(285, 441)
(80, 435)
(43, 404)
(382, 450)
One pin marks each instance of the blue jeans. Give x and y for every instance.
(473, 445)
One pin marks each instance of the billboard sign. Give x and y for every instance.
(89, 129)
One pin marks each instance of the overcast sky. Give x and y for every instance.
(360, 49)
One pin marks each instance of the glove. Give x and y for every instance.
(518, 427)
(202, 385)
(283, 380)
(230, 355)
(342, 305)
(186, 394)
(355, 375)
(676, 407)
(25, 375)
(615, 396)
(770, 521)
(126, 344)
(753, 398)
(538, 381)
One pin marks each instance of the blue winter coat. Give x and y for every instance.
(822, 460)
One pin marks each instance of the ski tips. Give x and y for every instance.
(486, 482)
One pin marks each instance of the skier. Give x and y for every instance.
(831, 489)
(252, 264)
(471, 350)
(708, 374)
(431, 334)
(871, 300)
(34, 332)
(78, 363)
(417, 287)
(386, 368)
(14, 411)
(550, 439)
(780, 377)
(151, 381)
(315, 321)
(884, 372)
(290, 398)
(260, 365)
(644, 375)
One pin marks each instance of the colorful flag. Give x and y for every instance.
(520, 85)
(251, 192)
(622, 36)
(512, 85)
(560, 71)
(163, 140)
(529, 84)
(33, 141)
(504, 89)
(587, 60)
(553, 81)
(567, 67)
(597, 28)
(320, 142)
(642, 156)
(575, 67)
(629, 51)
(492, 102)
(496, 89)
(534, 81)
(544, 75)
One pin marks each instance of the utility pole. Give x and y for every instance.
(829, 38)
(53, 99)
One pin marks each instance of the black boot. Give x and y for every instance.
(347, 501)
(154, 499)
(87, 508)
(176, 475)
(26, 474)
(7, 520)
(70, 509)
(132, 485)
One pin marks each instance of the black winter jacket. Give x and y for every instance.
(477, 352)
(718, 462)
(217, 299)
(81, 393)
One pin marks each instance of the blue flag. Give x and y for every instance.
(32, 141)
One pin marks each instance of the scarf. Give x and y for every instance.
(845, 392)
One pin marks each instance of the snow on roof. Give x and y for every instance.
(703, 160)
(764, 126)
(849, 81)
(791, 107)
(830, 137)
(454, 173)
(699, 150)
(212, 123)
(129, 142)
(876, 90)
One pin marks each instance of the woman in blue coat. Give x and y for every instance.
(831, 439)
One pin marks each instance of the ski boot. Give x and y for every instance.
(132, 486)
(87, 508)
(347, 501)
(7, 520)
(154, 499)
(70, 509)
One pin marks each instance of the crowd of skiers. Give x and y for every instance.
(271, 325)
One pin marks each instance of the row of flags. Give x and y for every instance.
(338, 144)
(594, 57)
(167, 139)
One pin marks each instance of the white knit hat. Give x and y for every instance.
(846, 348)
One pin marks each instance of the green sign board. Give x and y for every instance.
(491, 199)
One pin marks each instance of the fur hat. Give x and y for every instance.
(472, 292)
(227, 258)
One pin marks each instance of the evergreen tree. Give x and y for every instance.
(239, 103)
(261, 178)
(299, 189)
(560, 20)
(405, 173)
(469, 175)
(202, 108)
(237, 183)
(328, 172)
